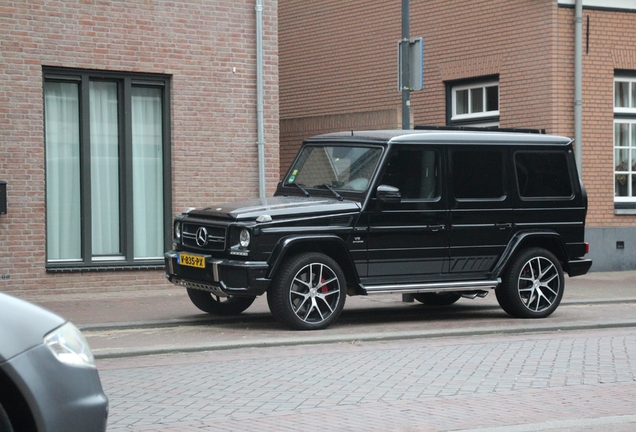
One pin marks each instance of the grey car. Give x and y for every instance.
(48, 378)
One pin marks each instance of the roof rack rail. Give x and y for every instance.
(479, 129)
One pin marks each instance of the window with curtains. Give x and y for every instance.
(625, 141)
(107, 169)
(473, 103)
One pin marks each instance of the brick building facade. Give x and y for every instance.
(117, 115)
(488, 63)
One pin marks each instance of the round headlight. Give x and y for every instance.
(244, 238)
(177, 230)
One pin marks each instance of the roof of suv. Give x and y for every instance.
(443, 136)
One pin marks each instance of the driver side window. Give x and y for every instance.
(415, 171)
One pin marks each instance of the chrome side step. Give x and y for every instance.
(433, 287)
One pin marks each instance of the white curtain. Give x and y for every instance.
(104, 133)
(147, 172)
(61, 120)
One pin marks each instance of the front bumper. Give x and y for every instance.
(60, 397)
(222, 277)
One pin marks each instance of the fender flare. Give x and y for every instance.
(285, 244)
(522, 237)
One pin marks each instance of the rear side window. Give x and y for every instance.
(543, 175)
(478, 174)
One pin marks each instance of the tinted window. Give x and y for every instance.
(477, 174)
(414, 171)
(543, 174)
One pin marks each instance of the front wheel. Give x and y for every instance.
(5, 423)
(214, 305)
(532, 286)
(308, 293)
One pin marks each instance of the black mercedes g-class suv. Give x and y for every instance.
(436, 214)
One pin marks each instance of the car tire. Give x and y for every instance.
(437, 298)
(5, 423)
(308, 292)
(532, 285)
(214, 305)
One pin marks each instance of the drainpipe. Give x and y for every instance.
(578, 83)
(259, 99)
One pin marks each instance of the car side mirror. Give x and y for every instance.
(388, 194)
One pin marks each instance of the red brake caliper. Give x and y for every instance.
(324, 288)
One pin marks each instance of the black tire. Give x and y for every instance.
(5, 423)
(533, 284)
(308, 293)
(214, 305)
(437, 298)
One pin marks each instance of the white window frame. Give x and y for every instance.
(632, 101)
(626, 115)
(475, 115)
(630, 170)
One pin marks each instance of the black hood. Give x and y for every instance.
(276, 207)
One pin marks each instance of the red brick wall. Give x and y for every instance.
(469, 39)
(612, 45)
(337, 58)
(213, 108)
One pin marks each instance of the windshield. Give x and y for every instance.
(337, 167)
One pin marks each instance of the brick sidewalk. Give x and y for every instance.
(543, 381)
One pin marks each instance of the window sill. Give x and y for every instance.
(625, 211)
(625, 208)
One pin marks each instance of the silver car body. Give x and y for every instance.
(37, 390)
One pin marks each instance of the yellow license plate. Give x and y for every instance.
(192, 260)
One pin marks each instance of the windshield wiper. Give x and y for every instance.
(326, 185)
(301, 188)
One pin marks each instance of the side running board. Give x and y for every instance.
(432, 287)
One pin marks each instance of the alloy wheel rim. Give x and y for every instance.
(539, 284)
(314, 293)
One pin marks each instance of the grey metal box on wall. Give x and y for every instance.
(3, 197)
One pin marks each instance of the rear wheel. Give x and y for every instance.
(437, 298)
(215, 305)
(532, 286)
(308, 293)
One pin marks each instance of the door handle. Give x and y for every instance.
(503, 226)
(436, 228)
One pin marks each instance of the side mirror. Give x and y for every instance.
(388, 194)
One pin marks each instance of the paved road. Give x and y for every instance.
(573, 380)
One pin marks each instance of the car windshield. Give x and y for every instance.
(336, 167)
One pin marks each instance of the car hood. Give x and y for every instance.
(23, 325)
(276, 207)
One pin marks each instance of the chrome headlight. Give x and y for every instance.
(244, 238)
(69, 346)
(177, 230)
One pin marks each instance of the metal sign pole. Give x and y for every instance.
(406, 73)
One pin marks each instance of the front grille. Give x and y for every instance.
(204, 237)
